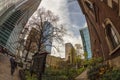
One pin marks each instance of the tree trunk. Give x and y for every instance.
(39, 47)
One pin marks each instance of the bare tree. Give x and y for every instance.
(48, 29)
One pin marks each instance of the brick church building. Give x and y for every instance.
(103, 20)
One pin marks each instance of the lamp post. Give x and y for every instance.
(39, 61)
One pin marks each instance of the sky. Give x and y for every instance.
(70, 15)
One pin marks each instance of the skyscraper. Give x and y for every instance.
(14, 14)
(47, 34)
(86, 41)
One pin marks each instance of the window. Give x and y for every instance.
(112, 36)
(93, 9)
(115, 6)
(89, 5)
(96, 10)
(116, 1)
(108, 2)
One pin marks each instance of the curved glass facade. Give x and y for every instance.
(5, 4)
(86, 41)
(12, 25)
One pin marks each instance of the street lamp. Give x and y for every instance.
(39, 61)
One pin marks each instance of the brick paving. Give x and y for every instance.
(5, 69)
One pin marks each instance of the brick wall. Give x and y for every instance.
(95, 20)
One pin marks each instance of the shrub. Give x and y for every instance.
(29, 77)
(79, 71)
(111, 75)
(97, 71)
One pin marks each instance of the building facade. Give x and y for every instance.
(103, 22)
(45, 38)
(14, 14)
(79, 51)
(30, 42)
(70, 53)
(86, 41)
(54, 62)
(5, 5)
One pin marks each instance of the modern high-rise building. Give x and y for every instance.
(47, 36)
(103, 21)
(14, 15)
(86, 41)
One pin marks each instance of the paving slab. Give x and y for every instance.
(5, 69)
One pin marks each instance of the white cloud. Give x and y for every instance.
(58, 7)
(70, 15)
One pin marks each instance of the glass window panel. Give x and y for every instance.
(4, 34)
(3, 37)
(114, 41)
(5, 4)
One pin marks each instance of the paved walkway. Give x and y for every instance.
(5, 69)
(82, 76)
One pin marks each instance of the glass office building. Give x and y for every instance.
(14, 15)
(6, 4)
(86, 41)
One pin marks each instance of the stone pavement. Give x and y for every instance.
(82, 76)
(5, 69)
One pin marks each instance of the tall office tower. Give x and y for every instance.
(86, 41)
(14, 15)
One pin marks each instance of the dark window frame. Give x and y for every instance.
(115, 6)
(112, 36)
(90, 6)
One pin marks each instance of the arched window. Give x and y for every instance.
(89, 5)
(112, 36)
